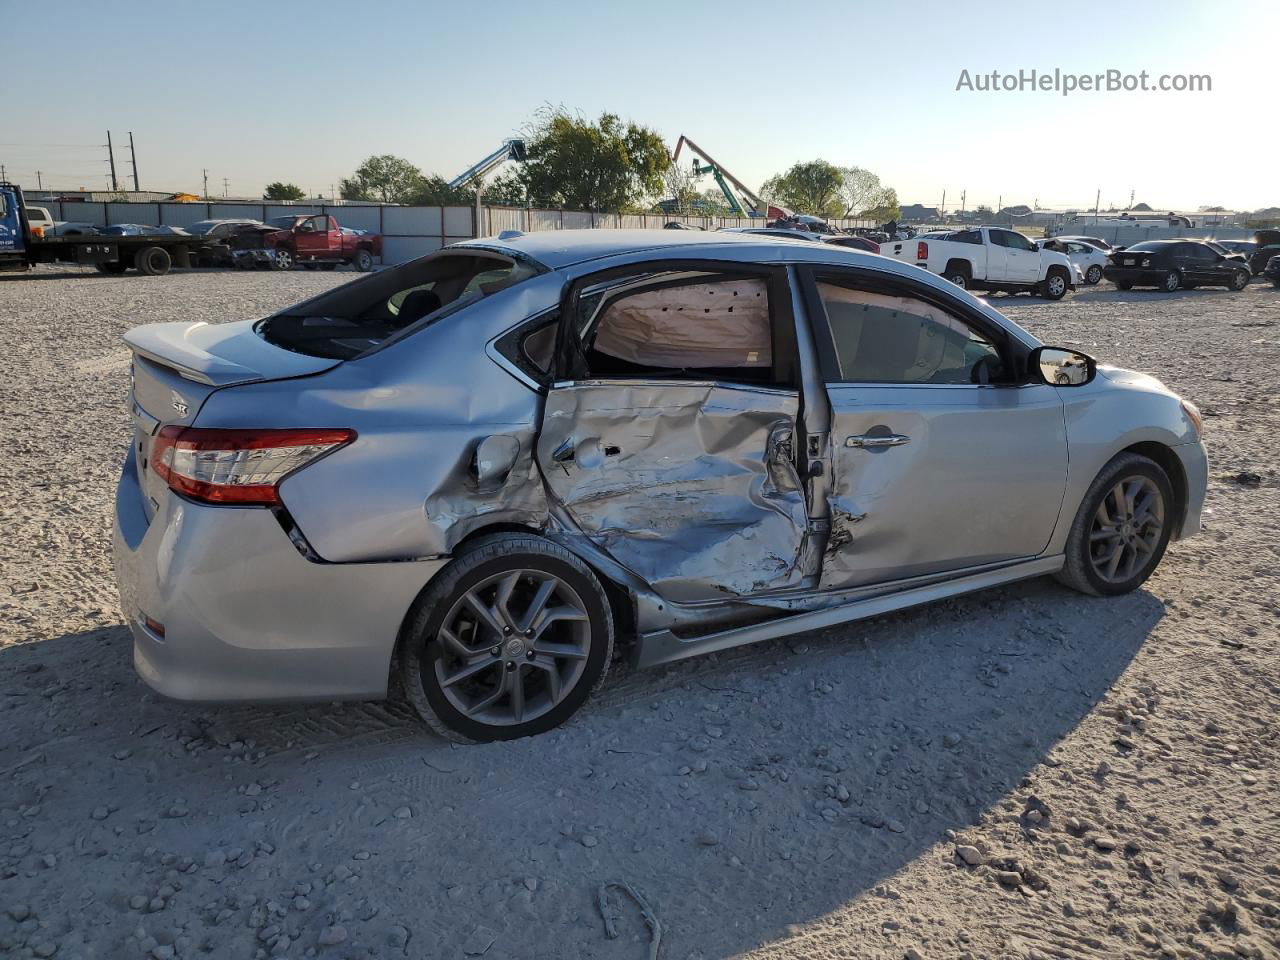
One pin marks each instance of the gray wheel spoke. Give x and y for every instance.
(482, 612)
(491, 699)
(556, 615)
(1126, 529)
(1113, 561)
(451, 641)
(470, 670)
(552, 672)
(503, 599)
(1105, 533)
(566, 651)
(538, 604)
(515, 680)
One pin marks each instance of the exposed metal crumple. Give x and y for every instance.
(721, 514)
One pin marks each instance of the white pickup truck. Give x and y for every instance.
(989, 258)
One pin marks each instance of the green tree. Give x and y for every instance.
(607, 165)
(859, 189)
(384, 178)
(813, 187)
(283, 191)
(885, 208)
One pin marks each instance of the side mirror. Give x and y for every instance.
(1060, 367)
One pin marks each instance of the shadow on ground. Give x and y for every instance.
(740, 793)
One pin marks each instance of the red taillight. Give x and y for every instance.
(922, 251)
(238, 466)
(155, 626)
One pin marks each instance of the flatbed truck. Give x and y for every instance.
(23, 245)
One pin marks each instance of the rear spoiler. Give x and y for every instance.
(220, 355)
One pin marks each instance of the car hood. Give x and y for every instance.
(1133, 379)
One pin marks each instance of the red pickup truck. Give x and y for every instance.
(317, 242)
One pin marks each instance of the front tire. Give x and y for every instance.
(363, 261)
(1054, 286)
(509, 641)
(1093, 275)
(1239, 280)
(282, 259)
(1122, 528)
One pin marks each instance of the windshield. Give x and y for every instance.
(1148, 246)
(354, 319)
(281, 223)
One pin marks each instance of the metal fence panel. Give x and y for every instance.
(412, 221)
(400, 249)
(147, 213)
(236, 211)
(182, 214)
(458, 221)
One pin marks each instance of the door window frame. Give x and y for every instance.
(567, 362)
(1013, 352)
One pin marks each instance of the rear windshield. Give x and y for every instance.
(282, 223)
(354, 319)
(1148, 246)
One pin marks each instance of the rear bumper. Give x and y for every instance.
(1134, 275)
(245, 615)
(1195, 467)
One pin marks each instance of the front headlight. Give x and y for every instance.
(1193, 414)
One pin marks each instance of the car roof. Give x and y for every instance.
(564, 248)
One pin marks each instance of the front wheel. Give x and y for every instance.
(1172, 281)
(363, 261)
(1121, 529)
(1239, 279)
(282, 259)
(1054, 286)
(1093, 275)
(509, 641)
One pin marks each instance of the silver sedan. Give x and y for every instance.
(493, 469)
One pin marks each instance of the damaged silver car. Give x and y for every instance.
(489, 471)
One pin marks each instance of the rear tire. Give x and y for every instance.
(481, 630)
(153, 261)
(1171, 282)
(1122, 528)
(1239, 280)
(1093, 275)
(363, 261)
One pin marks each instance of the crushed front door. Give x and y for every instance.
(690, 483)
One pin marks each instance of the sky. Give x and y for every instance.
(303, 92)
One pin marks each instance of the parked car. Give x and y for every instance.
(40, 218)
(853, 243)
(141, 230)
(1091, 241)
(990, 258)
(498, 465)
(1244, 247)
(784, 233)
(221, 238)
(1088, 259)
(1174, 264)
(1262, 256)
(317, 242)
(1272, 270)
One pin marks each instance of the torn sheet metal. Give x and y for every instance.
(683, 483)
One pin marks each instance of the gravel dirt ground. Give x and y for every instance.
(1020, 773)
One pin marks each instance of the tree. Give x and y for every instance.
(812, 187)
(859, 189)
(283, 191)
(579, 165)
(886, 207)
(385, 178)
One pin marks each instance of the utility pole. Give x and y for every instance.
(111, 159)
(1097, 202)
(206, 183)
(226, 188)
(133, 159)
(943, 207)
(1131, 193)
(39, 182)
(999, 203)
(3, 176)
(963, 194)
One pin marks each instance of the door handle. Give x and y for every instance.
(877, 441)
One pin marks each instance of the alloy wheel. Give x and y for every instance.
(1126, 529)
(512, 647)
(1094, 274)
(1057, 286)
(284, 260)
(1172, 281)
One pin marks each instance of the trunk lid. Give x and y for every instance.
(176, 366)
